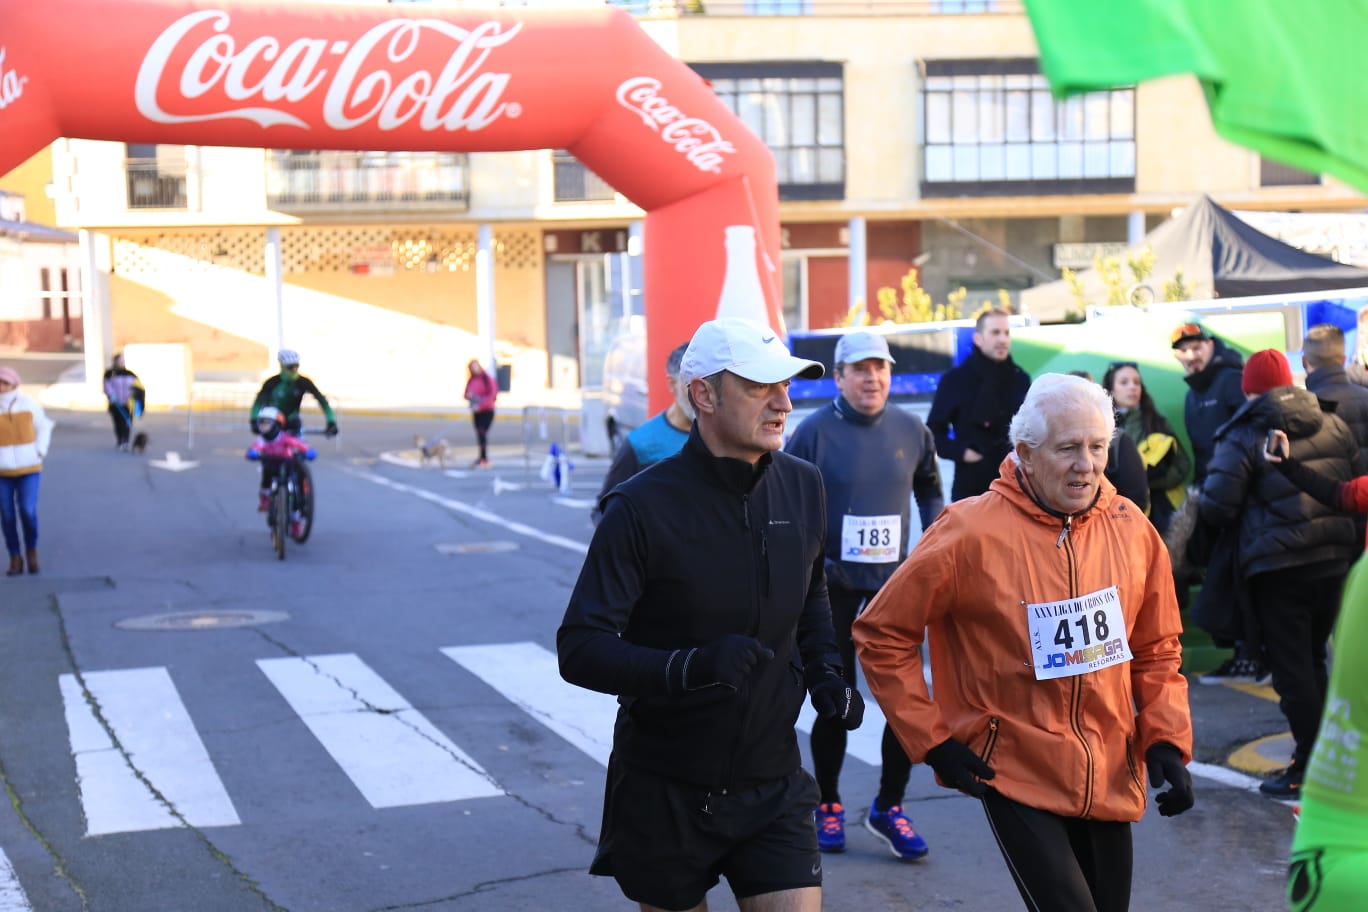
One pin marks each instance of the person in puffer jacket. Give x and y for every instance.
(1292, 551)
(25, 433)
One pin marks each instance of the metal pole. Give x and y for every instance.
(96, 323)
(858, 265)
(484, 294)
(273, 281)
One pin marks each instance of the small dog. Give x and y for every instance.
(433, 451)
(139, 442)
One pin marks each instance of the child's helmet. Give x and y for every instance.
(277, 421)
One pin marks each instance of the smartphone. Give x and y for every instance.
(1270, 444)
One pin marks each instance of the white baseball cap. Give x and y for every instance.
(857, 346)
(747, 349)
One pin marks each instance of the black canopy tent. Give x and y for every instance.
(1219, 255)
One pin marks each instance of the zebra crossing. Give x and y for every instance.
(142, 765)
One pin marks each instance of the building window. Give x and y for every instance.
(575, 183)
(312, 179)
(798, 110)
(156, 176)
(991, 128)
(777, 7)
(1276, 174)
(956, 7)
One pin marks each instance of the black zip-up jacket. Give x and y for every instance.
(693, 548)
(1214, 395)
(973, 409)
(1280, 526)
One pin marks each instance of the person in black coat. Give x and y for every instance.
(1292, 551)
(974, 405)
(1213, 377)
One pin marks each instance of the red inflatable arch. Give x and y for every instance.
(386, 78)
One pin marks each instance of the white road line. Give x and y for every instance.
(529, 676)
(1224, 776)
(151, 723)
(457, 506)
(390, 751)
(12, 898)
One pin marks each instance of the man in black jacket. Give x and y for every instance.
(1293, 552)
(1213, 377)
(974, 405)
(702, 604)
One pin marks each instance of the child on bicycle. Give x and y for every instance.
(272, 447)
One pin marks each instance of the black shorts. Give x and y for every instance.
(665, 850)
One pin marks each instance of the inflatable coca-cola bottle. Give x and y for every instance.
(742, 295)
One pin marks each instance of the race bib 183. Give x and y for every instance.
(871, 539)
(1078, 635)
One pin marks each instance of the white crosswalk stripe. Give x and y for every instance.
(388, 749)
(155, 772)
(12, 898)
(155, 736)
(529, 675)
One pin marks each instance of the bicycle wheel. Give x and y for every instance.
(280, 523)
(304, 492)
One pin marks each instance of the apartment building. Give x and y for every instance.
(906, 133)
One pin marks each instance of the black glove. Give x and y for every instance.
(959, 767)
(833, 698)
(725, 663)
(331, 429)
(1165, 764)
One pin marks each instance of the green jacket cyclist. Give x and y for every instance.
(286, 390)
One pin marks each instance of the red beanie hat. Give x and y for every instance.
(1265, 370)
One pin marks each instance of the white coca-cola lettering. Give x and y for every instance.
(367, 86)
(697, 139)
(11, 83)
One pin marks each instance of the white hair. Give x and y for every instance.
(1050, 395)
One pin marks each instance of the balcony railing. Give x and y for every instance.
(155, 184)
(377, 180)
(577, 184)
(822, 8)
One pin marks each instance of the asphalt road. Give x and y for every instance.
(392, 737)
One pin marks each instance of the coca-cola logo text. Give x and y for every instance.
(698, 140)
(11, 83)
(361, 81)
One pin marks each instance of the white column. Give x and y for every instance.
(857, 261)
(96, 323)
(273, 281)
(1135, 227)
(484, 294)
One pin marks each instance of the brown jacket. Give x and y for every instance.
(1075, 745)
(25, 432)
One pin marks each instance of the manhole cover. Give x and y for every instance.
(201, 620)
(493, 547)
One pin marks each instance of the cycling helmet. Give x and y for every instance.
(288, 358)
(272, 414)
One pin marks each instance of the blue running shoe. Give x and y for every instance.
(893, 827)
(830, 828)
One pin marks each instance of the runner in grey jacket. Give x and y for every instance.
(873, 460)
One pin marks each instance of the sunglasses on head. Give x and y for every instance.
(1117, 365)
(1188, 331)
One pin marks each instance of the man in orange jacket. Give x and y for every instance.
(1054, 655)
